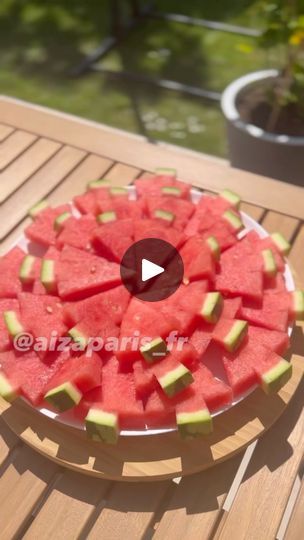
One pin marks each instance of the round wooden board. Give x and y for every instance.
(149, 458)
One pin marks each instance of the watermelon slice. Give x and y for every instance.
(123, 208)
(88, 203)
(42, 230)
(119, 395)
(143, 320)
(215, 392)
(110, 243)
(158, 185)
(273, 340)
(197, 259)
(240, 282)
(81, 371)
(180, 209)
(27, 372)
(42, 316)
(10, 264)
(51, 254)
(77, 233)
(113, 303)
(271, 314)
(81, 274)
(9, 304)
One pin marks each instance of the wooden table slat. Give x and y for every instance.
(5, 131)
(128, 511)
(70, 503)
(196, 503)
(21, 486)
(295, 529)
(14, 145)
(8, 440)
(135, 151)
(38, 187)
(274, 222)
(275, 462)
(26, 165)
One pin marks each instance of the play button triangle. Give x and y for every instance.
(149, 270)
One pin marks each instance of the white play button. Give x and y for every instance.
(150, 270)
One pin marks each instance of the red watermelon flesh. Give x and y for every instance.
(241, 376)
(123, 208)
(151, 228)
(231, 308)
(111, 304)
(256, 357)
(94, 325)
(42, 316)
(81, 274)
(181, 209)
(152, 186)
(200, 222)
(77, 232)
(88, 203)
(197, 259)
(29, 373)
(90, 398)
(144, 380)
(215, 392)
(119, 395)
(271, 314)
(82, 371)
(222, 233)
(110, 243)
(10, 263)
(240, 283)
(201, 338)
(214, 205)
(42, 231)
(273, 340)
(143, 318)
(159, 410)
(9, 304)
(275, 284)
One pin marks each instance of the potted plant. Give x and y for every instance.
(265, 110)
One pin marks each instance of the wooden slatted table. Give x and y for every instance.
(257, 495)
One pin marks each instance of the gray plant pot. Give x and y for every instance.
(253, 149)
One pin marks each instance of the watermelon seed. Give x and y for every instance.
(49, 309)
(93, 269)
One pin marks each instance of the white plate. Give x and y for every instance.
(69, 420)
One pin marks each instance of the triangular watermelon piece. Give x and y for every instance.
(215, 392)
(272, 313)
(197, 259)
(10, 264)
(80, 274)
(119, 395)
(240, 283)
(29, 373)
(77, 233)
(110, 304)
(153, 186)
(110, 243)
(42, 230)
(182, 210)
(88, 203)
(273, 340)
(123, 208)
(84, 372)
(151, 228)
(9, 304)
(42, 316)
